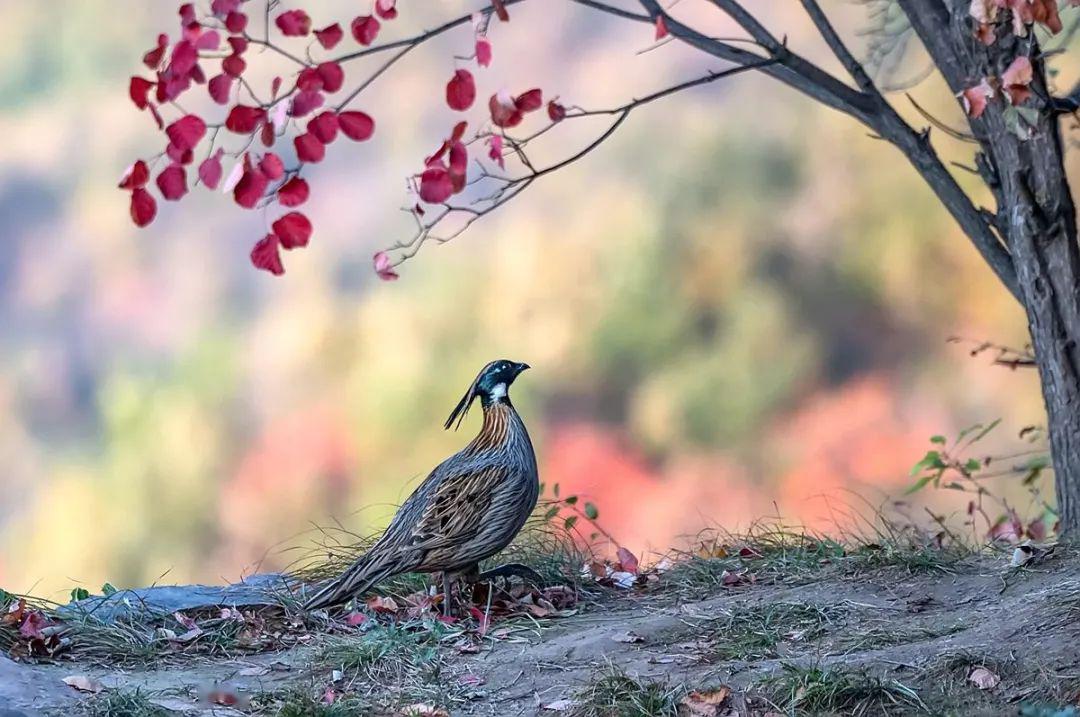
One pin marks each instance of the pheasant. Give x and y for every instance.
(469, 508)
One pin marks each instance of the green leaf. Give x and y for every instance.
(591, 512)
(982, 434)
(79, 594)
(555, 490)
(570, 500)
(569, 522)
(920, 484)
(938, 439)
(972, 465)
(932, 459)
(551, 512)
(107, 589)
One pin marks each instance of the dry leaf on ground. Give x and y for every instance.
(560, 705)
(704, 704)
(83, 683)
(983, 678)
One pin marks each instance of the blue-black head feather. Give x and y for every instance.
(491, 384)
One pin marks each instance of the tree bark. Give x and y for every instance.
(1024, 168)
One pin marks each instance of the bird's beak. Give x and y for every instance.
(522, 367)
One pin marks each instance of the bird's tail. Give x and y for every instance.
(357, 579)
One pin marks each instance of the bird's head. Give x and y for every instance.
(492, 384)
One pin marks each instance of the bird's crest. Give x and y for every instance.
(465, 403)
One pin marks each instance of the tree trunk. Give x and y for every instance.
(1023, 165)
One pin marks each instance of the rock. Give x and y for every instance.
(266, 589)
(29, 690)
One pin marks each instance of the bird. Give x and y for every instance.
(469, 507)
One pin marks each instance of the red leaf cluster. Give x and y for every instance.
(507, 111)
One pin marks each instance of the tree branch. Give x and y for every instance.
(867, 105)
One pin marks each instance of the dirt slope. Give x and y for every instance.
(885, 641)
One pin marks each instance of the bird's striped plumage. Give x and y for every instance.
(469, 508)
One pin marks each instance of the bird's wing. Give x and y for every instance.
(456, 511)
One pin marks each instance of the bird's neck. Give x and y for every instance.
(500, 423)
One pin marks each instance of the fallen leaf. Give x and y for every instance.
(560, 705)
(422, 710)
(83, 683)
(983, 678)
(379, 603)
(704, 704)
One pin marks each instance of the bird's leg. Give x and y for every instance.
(509, 569)
(446, 593)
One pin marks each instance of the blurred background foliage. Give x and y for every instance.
(738, 306)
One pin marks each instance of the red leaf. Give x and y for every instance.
(233, 65)
(272, 166)
(324, 126)
(187, 13)
(152, 59)
(309, 148)
(293, 229)
(332, 75)
(329, 36)
(293, 193)
(458, 131)
(309, 80)
(245, 120)
(239, 45)
(357, 126)
(483, 51)
(265, 255)
(251, 188)
(294, 23)
(386, 9)
(461, 91)
(208, 40)
(305, 102)
(172, 182)
(529, 101)
(365, 29)
(500, 10)
(210, 170)
(31, 626)
(137, 175)
(661, 28)
(1016, 78)
(459, 162)
(236, 22)
(143, 207)
(627, 560)
(481, 619)
(355, 618)
(504, 112)
(184, 57)
(383, 267)
(436, 186)
(177, 154)
(138, 90)
(495, 150)
(267, 135)
(556, 112)
(219, 87)
(975, 98)
(186, 132)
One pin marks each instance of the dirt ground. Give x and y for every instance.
(975, 638)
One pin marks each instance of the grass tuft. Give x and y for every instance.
(750, 632)
(799, 690)
(123, 703)
(613, 693)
